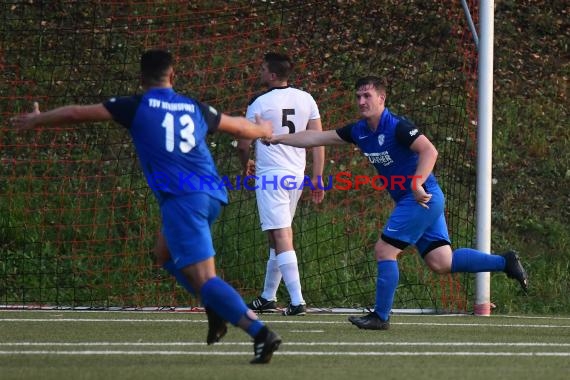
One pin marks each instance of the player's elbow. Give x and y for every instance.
(434, 152)
(430, 151)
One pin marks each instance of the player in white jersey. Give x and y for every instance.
(279, 171)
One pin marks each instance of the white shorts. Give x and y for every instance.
(277, 204)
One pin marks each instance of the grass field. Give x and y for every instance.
(171, 345)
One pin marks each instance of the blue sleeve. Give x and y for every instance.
(123, 109)
(211, 115)
(345, 133)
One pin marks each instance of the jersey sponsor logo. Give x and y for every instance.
(380, 158)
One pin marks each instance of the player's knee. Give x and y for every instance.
(440, 269)
(384, 251)
(387, 248)
(282, 235)
(439, 259)
(439, 266)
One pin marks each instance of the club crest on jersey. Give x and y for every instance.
(381, 139)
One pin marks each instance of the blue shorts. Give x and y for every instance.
(186, 225)
(410, 223)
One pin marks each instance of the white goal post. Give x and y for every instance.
(484, 43)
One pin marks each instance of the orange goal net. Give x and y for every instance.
(77, 221)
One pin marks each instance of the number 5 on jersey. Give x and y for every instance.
(285, 122)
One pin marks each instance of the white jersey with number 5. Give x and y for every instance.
(289, 110)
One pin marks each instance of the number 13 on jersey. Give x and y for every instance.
(187, 140)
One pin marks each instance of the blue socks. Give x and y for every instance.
(473, 261)
(227, 303)
(170, 267)
(386, 284)
(463, 260)
(218, 295)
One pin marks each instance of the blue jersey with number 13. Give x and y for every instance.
(169, 133)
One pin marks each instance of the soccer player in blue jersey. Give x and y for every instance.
(169, 133)
(398, 149)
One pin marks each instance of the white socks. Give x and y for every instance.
(272, 277)
(287, 262)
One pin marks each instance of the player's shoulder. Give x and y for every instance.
(118, 104)
(353, 128)
(390, 120)
(403, 119)
(181, 97)
(276, 92)
(357, 125)
(261, 95)
(402, 124)
(300, 92)
(125, 98)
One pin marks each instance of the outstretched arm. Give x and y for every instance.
(242, 128)
(308, 139)
(71, 114)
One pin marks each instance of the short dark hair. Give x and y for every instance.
(154, 65)
(279, 64)
(378, 83)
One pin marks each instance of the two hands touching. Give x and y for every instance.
(273, 139)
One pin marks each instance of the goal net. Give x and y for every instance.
(77, 221)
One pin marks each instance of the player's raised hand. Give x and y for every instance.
(26, 120)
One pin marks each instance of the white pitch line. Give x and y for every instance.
(323, 312)
(369, 344)
(289, 353)
(297, 321)
(480, 325)
(101, 320)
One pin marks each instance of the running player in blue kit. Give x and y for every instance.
(169, 133)
(405, 157)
